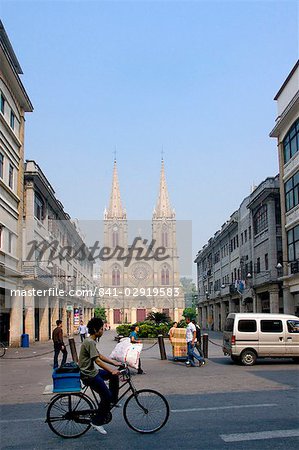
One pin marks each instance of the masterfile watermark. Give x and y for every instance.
(53, 292)
(82, 253)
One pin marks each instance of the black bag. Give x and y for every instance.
(70, 367)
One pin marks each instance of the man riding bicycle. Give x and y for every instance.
(95, 378)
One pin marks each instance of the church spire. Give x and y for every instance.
(163, 208)
(115, 210)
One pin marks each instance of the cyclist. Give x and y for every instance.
(95, 378)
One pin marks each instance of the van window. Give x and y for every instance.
(293, 326)
(247, 326)
(229, 325)
(271, 326)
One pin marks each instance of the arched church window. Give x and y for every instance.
(165, 276)
(164, 238)
(115, 276)
(114, 236)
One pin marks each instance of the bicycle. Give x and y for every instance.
(69, 415)
(2, 349)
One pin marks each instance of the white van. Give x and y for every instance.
(249, 336)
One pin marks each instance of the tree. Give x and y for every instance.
(100, 313)
(158, 317)
(190, 292)
(190, 312)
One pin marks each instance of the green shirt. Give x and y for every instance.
(88, 354)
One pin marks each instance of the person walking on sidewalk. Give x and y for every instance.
(191, 338)
(82, 330)
(171, 331)
(135, 340)
(59, 346)
(198, 337)
(91, 376)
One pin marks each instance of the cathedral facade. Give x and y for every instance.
(142, 276)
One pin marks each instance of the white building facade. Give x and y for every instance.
(286, 131)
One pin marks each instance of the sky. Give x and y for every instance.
(194, 78)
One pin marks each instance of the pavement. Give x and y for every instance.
(220, 405)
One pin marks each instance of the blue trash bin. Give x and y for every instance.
(25, 340)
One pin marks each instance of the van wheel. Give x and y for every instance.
(248, 358)
(235, 359)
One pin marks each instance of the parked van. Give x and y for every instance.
(249, 336)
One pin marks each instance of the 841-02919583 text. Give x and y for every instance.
(136, 292)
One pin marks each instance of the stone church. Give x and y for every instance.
(149, 280)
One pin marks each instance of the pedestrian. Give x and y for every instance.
(59, 346)
(135, 340)
(95, 378)
(190, 338)
(198, 336)
(171, 331)
(82, 329)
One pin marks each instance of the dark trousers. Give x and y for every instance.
(107, 396)
(57, 350)
(82, 337)
(139, 367)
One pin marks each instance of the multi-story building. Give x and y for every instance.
(55, 261)
(132, 291)
(14, 103)
(286, 131)
(236, 269)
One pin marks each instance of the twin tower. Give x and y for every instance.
(143, 275)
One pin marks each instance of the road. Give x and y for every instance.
(220, 406)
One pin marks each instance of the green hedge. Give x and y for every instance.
(146, 329)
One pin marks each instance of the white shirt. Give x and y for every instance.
(189, 331)
(82, 329)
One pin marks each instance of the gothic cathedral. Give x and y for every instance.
(147, 281)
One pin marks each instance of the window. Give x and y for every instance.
(291, 142)
(258, 265)
(293, 244)
(266, 262)
(293, 326)
(166, 311)
(165, 276)
(245, 235)
(2, 103)
(12, 120)
(115, 276)
(1, 165)
(115, 237)
(164, 238)
(10, 176)
(229, 325)
(292, 191)
(38, 207)
(271, 326)
(242, 239)
(260, 220)
(249, 233)
(10, 238)
(217, 257)
(247, 326)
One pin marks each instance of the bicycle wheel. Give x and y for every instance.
(146, 411)
(2, 349)
(66, 415)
